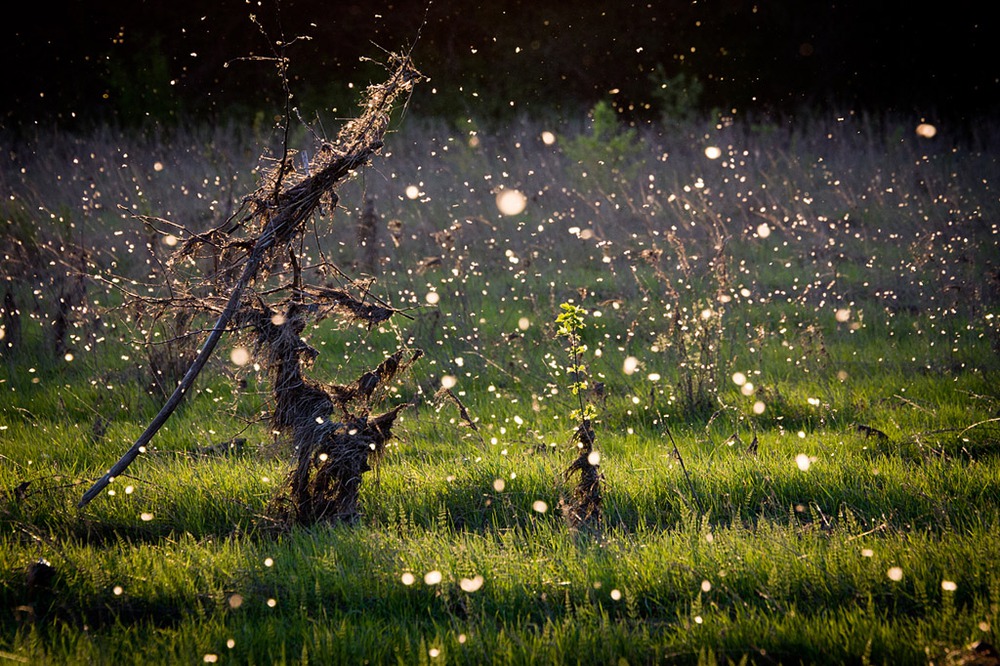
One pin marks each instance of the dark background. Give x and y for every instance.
(73, 62)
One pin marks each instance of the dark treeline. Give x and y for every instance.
(131, 60)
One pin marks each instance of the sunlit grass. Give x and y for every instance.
(857, 346)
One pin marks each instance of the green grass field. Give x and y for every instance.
(828, 288)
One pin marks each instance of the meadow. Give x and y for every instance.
(791, 344)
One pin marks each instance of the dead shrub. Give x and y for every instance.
(255, 260)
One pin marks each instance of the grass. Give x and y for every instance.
(862, 320)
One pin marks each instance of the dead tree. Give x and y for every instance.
(260, 235)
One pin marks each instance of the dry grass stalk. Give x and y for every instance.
(11, 322)
(367, 233)
(447, 394)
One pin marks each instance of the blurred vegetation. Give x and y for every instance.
(497, 60)
(810, 308)
(604, 157)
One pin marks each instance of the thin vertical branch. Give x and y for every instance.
(677, 452)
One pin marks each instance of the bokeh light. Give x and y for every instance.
(511, 202)
(240, 356)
